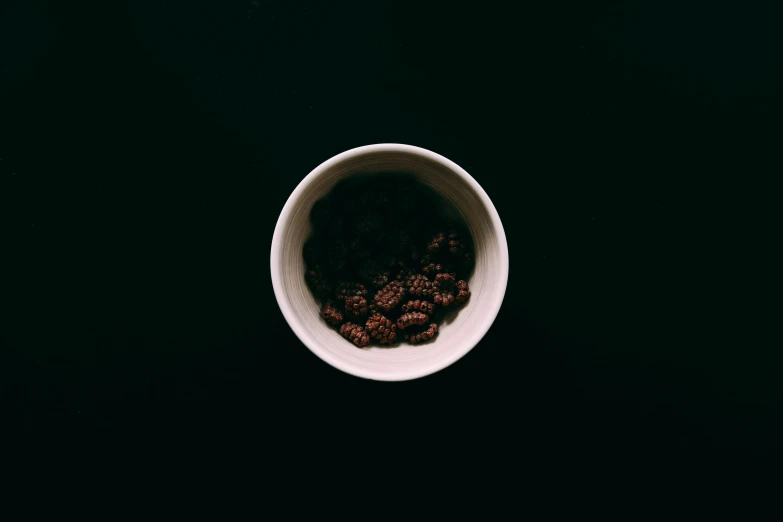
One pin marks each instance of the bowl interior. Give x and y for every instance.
(459, 332)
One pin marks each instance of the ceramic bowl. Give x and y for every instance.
(460, 333)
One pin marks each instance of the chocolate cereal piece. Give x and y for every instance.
(417, 335)
(390, 296)
(419, 285)
(331, 314)
(346, 289)
(356, 306)
(412, 318)
(463, 291)
(418, 305)
(381, 329)
(355, 333)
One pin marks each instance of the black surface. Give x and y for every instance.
(147, 150)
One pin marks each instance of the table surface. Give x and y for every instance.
(145, 157)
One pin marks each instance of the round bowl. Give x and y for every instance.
(457, 336)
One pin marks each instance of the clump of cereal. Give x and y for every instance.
(421, 334)
(390, 296)
(436, 243)
(356, 306)
(450, 245)
(331, 314)
(412, 318)
(463, 291)
(419, 285)
(424, 307)
(444, 293)
(457, 247)
(444, 299)
(347, 289)
(381, 329)
(355, 333)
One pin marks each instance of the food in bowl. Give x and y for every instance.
(388, 259)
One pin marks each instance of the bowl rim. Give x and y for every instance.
(299, 330)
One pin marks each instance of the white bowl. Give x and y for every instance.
(456, 337)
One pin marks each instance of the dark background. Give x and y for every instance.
(147, 148)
